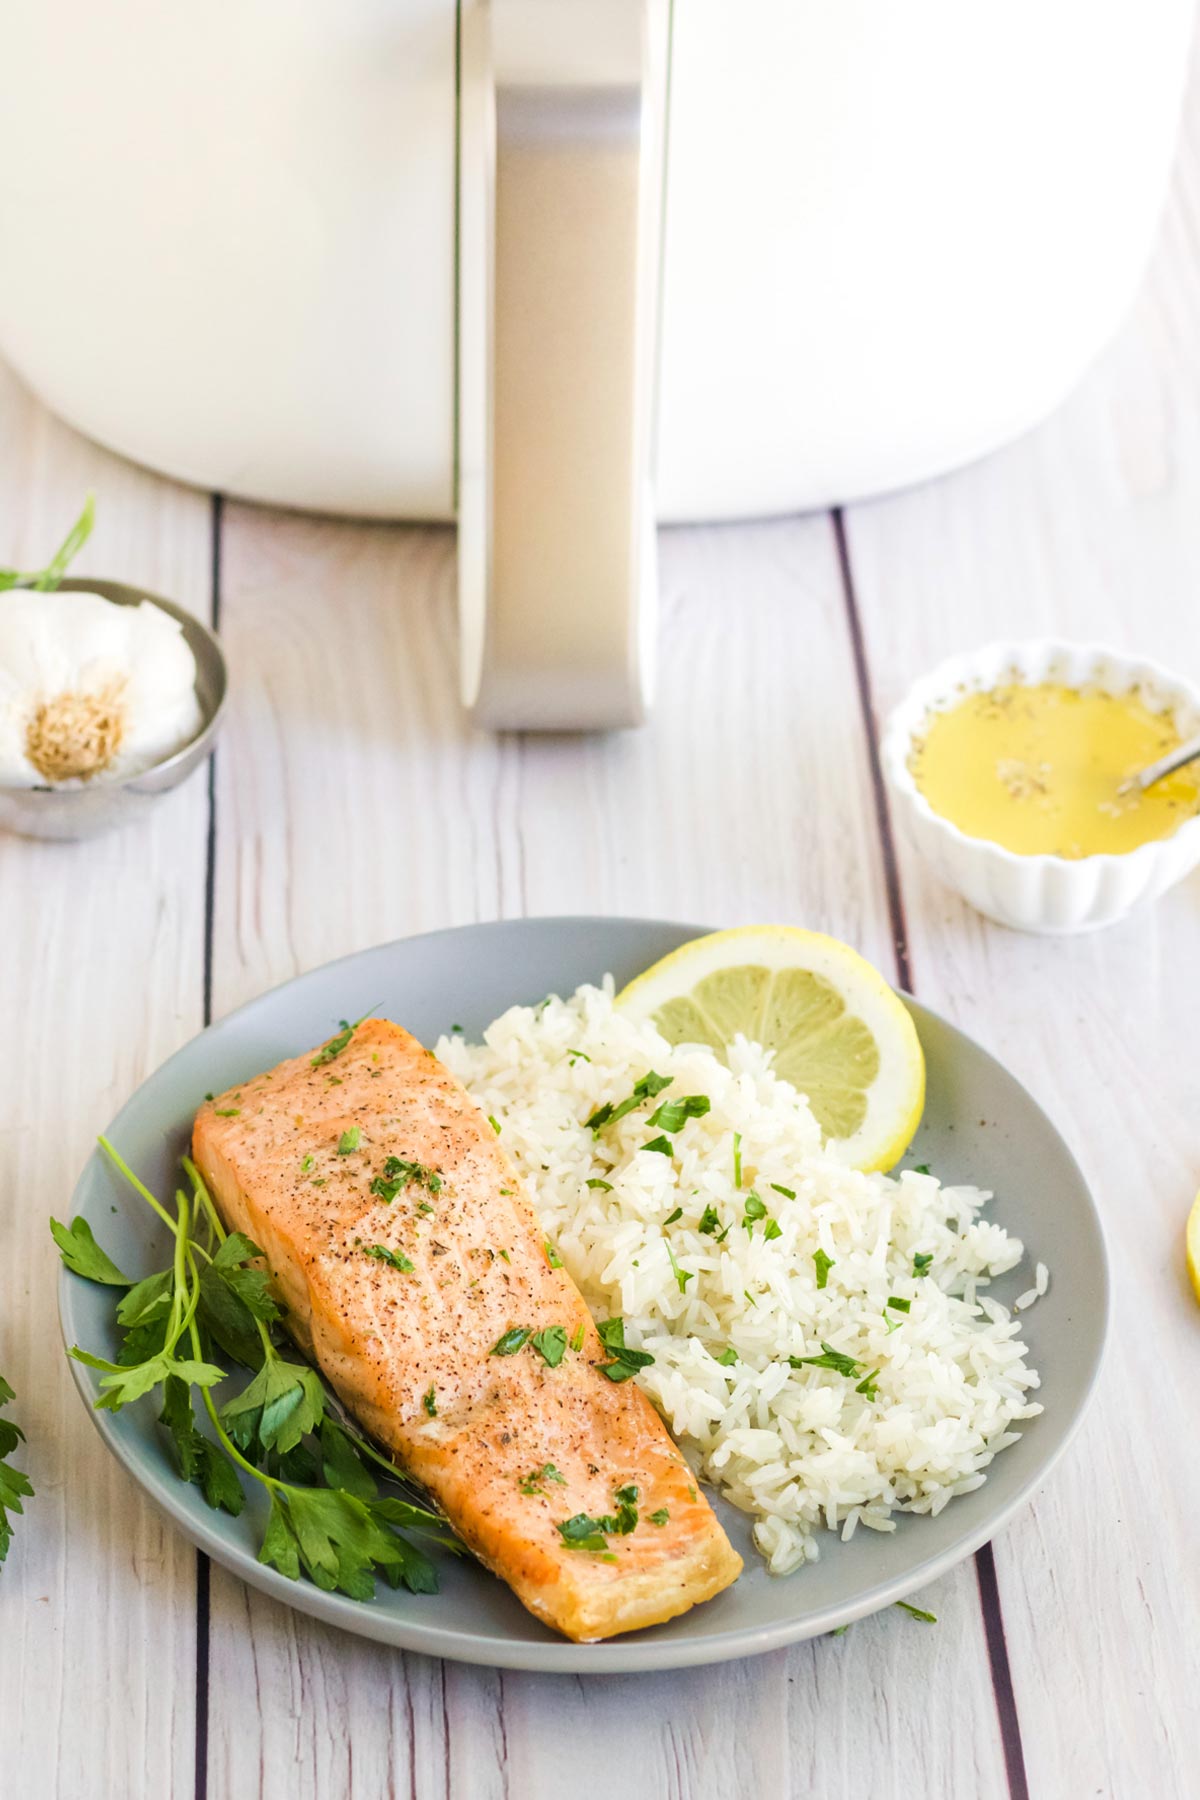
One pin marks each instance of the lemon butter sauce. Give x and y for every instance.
(1039, 769)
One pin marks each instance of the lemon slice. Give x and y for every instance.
(1193, 1245)
(839, 1032)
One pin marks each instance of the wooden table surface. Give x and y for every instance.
(349, 804)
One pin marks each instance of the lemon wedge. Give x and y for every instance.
(840, 1034)
(1193, 1245)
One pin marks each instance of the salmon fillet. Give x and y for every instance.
(300, 1163)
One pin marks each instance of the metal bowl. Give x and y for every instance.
(79, 812)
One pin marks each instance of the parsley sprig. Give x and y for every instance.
(328, 1518)
(15, 1486)
(43, 580)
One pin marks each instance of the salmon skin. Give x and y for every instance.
(417, 1278)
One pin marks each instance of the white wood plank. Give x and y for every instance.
(1088, 529)
(355, 805)
(100, 979)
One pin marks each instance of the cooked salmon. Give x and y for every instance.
(417, 1278)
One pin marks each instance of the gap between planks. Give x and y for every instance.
(985, 1562)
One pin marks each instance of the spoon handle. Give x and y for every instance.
(1166, 765)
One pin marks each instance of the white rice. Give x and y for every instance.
(799, 1448)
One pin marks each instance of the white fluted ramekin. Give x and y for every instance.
(1039, 893)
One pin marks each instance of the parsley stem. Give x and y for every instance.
(133, 1181)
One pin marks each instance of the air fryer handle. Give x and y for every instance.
(562, 122)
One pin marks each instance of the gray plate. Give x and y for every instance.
(980, 1126)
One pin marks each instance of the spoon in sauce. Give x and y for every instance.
(1166, 765)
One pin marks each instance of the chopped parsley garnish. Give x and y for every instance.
(533, 1483)
(552, 1256)
(921, 1262)
(337, 1044)
(645, 1089)
(673, 1115)
(920, 1169)
(307, 1164)
(584, 1533)
(349, 1141)
(829, 1358)
(915, 1612)
(604, 1186)
(578, 1056)
(710, 1222)
(682, 1276)
(551, 1344)
(503, 1253)
(728, 1357)
(755, 1209)
(660, 1517)
(823, 1264)
(673, 1216)
(788, 1193)
(772, 1229)
(513, 1340)
(495, 1124)
(661, 1144)
(228, 1112)
(430, 1402)
(577, 1338)
(737, 1159)
(867, 1384)
(899, 1305)
(395, 1259)
(623, 1361)
(399, 1174)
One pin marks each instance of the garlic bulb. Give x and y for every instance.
(90, 690)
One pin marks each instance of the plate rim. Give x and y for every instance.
(622, 1655)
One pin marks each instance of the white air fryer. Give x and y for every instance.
(563, 268)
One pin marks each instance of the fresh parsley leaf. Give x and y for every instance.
(823, 1265)
(604, 1186)
(919, 1169)
(710, 1222)
(624, 1361)
(228, 1112)
(921, 1262)
(673, 1115)
(200, 1461)
(868, 1386)
(395, 1259)
(15, 1485)
(83, 1255)
(577, 1338)
(429, 1402)
(121, 1383)
(772, 1229)
(830, 1358)
(349, 1140)
(495, 1124)
(551, 1344)
(660, 1517)
(661, 1144)
(584, 1533)
(552, 1256)
(788, 1193)
(280, 1406)
(899, 1305)
(673, 1216)
(514, 1339)
(728, 1357)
